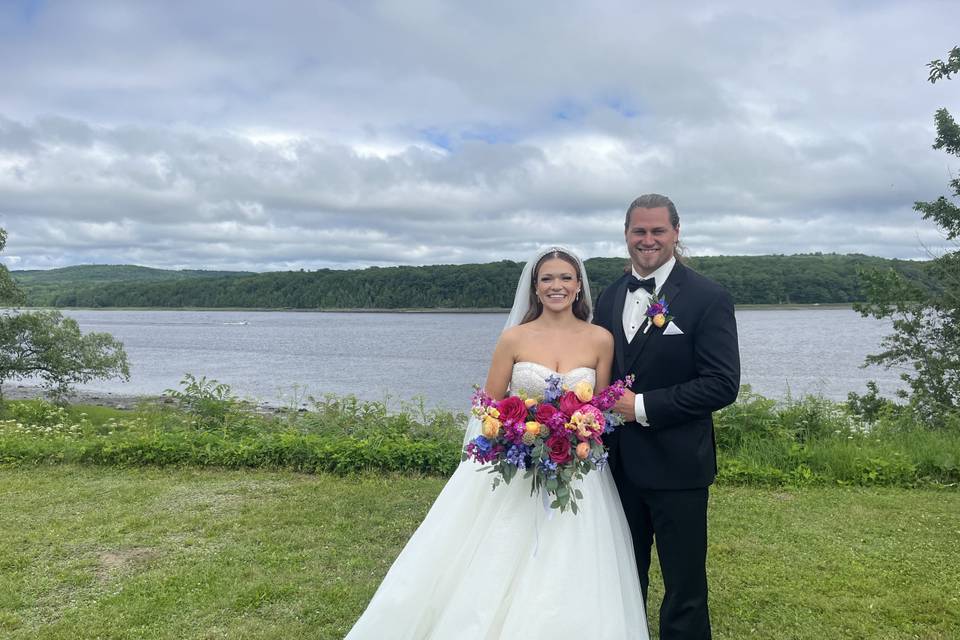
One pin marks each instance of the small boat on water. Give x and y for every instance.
(241, 323)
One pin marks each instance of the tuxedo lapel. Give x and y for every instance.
(670, 290)
(616, 320)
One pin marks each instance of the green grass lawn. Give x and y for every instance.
(93, 552)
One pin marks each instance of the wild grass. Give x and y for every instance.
(183, 553)
(805, 442)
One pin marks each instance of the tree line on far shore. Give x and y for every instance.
(770, 279)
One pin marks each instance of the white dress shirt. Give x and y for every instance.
(634, 314)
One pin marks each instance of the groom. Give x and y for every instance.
(664, 458)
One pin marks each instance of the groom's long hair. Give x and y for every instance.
(581, 306)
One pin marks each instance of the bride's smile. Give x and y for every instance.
(557, 284)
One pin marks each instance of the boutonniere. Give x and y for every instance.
(658, 313)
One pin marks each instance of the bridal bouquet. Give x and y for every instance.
(553, 439)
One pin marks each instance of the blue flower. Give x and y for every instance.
(517, 455)
(483, 445)
(601, 461)
(548, 466)
(553, 390)
(612, 420)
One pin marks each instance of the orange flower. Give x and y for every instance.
(583, 450)
(659, 320)
(491, 427)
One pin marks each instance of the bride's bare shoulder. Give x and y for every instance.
(600, 335)
(514, 334)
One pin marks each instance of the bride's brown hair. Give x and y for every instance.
(581, 308)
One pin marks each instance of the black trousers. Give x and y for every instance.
(677, 522)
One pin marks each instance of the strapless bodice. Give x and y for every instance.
(531, 377)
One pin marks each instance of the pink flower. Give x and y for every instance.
(559, 447)
(512, 409)
(609, 396)
(587, 423)
(569, 403)
(597, 416)
(545, 412)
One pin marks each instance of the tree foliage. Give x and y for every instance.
(10, 293)
(800, 279)
(48, 346)
(926, 320)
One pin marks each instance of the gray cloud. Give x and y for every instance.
(303, 134)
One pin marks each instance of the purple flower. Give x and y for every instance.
(553, 390)
(483, 444)
(482, 450)
(549, 467)
(657, 308)
(480, 398)
(517, 455)
(600, 461)
(606, 399)
(613, 420)
(514, 431)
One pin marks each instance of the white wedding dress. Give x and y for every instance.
(497, 564)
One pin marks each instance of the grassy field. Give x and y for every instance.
(90, 552)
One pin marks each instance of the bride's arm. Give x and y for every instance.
(604, 358)
(501, 366)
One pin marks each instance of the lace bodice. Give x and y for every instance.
(530, 377)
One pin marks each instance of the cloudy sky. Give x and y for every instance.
(285, 135)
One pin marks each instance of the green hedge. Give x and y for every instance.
(811, 441)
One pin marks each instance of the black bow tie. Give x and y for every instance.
(648, 284)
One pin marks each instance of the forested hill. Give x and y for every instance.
(43, 287)
(812, 278)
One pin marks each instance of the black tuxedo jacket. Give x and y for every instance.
(683, 379)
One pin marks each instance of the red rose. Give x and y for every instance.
(545, 412)
(512, 409)
(570, 403)
(559, 446)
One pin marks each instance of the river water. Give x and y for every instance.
(277, 356)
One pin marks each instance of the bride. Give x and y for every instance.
(500, 564)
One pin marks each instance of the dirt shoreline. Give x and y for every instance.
(123, 401)
(96, 398)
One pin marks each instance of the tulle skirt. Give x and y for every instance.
(498, 564)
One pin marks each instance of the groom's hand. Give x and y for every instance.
(626, 406)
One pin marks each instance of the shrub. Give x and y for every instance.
(211, 402)
(810, 441)
(37, 412)
(751, 417)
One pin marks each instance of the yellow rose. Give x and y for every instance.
(583, 391)
(493, 412)
(491, 427)
(659, 320)
(533, 427)
(530, 402)
(583, 450)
